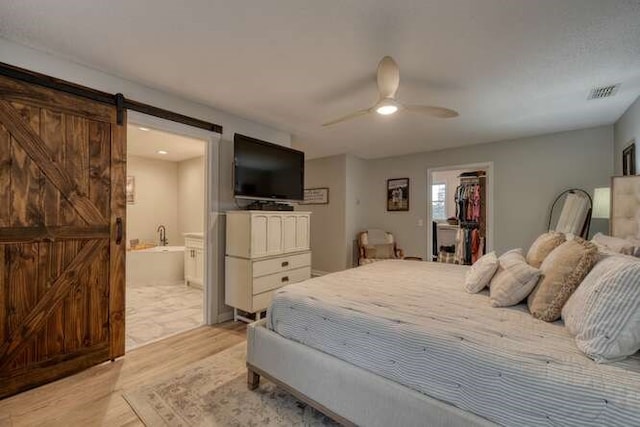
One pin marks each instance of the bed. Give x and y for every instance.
(400, 343)
(424, 352)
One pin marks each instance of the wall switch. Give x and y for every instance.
(420, 223)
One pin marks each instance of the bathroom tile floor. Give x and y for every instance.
(158, 310)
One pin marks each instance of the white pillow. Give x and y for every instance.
(614, 244)
(604, 312)
(480, 273)
(514, 280)
(636, 246)
(573, 310)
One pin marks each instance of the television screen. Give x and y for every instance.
(267, 171)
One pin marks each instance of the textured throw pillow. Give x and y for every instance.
(480, 273)
(563, 270)
(383, 251)
(543, 246)
(513, 281)
(604, 312)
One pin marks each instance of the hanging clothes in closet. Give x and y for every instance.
(468, 202)
(470, 213)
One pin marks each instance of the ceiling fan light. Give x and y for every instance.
(386, 109)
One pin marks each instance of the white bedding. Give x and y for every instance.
(413, 323)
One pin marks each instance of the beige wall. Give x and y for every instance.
(528, 174)
(190, 196)
(334, 226)
(328, 244)
(627, 129)
(355, 177)
(156, 200)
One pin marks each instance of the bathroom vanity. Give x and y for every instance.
(194, 259)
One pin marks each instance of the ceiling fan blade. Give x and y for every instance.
(388, 77)
(438, 112)
(348, 117)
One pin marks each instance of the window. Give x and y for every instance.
(438, 201)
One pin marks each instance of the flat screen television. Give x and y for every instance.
(266, 171)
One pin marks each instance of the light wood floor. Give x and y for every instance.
(93, 397)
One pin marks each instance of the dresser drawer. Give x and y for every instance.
(262, 301)
(274, 281)
(280, 264)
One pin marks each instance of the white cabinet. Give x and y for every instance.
(265, 250)
(255, 234)
(194, 259)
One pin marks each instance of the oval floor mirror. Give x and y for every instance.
(571, 212)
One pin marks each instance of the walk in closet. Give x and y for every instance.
(461, 238)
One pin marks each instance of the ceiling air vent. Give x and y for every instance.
(603, 92)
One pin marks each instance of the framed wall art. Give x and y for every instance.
(131, 189)
(316, 196)
(629, 159)
(398, 194)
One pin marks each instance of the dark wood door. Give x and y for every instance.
(62, 208)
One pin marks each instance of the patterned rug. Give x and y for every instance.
(213, 392)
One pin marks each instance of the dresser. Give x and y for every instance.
(265, 250)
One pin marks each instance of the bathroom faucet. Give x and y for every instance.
(163, 235)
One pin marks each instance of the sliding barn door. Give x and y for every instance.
(62, 207)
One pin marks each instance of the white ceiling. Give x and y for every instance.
(512, 68)
(147, 143)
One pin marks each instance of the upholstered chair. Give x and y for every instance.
(377, 245)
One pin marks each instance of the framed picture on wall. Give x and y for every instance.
(629, 159)
(131, 189)
(398, 194)
(316, 196)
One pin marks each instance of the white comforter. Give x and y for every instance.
(413, 323)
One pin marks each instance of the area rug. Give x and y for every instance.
(213, 392)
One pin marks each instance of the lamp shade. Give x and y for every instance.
(601, 203)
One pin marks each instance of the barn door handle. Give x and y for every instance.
(118, 231)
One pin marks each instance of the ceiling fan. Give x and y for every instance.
(388, 81)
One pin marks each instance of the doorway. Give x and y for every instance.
(448, 220)
(168, 233)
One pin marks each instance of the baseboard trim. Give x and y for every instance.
(225, 317)
(316, 273)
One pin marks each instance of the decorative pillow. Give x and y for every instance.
(513, 281)
(562, 270)
(480, 273)
(543, 246)
(636, 246)
(613, 244)
(383, 251)
(604, 312)
(573, 311)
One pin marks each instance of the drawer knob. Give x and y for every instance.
(285, 279)
(285, 263)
